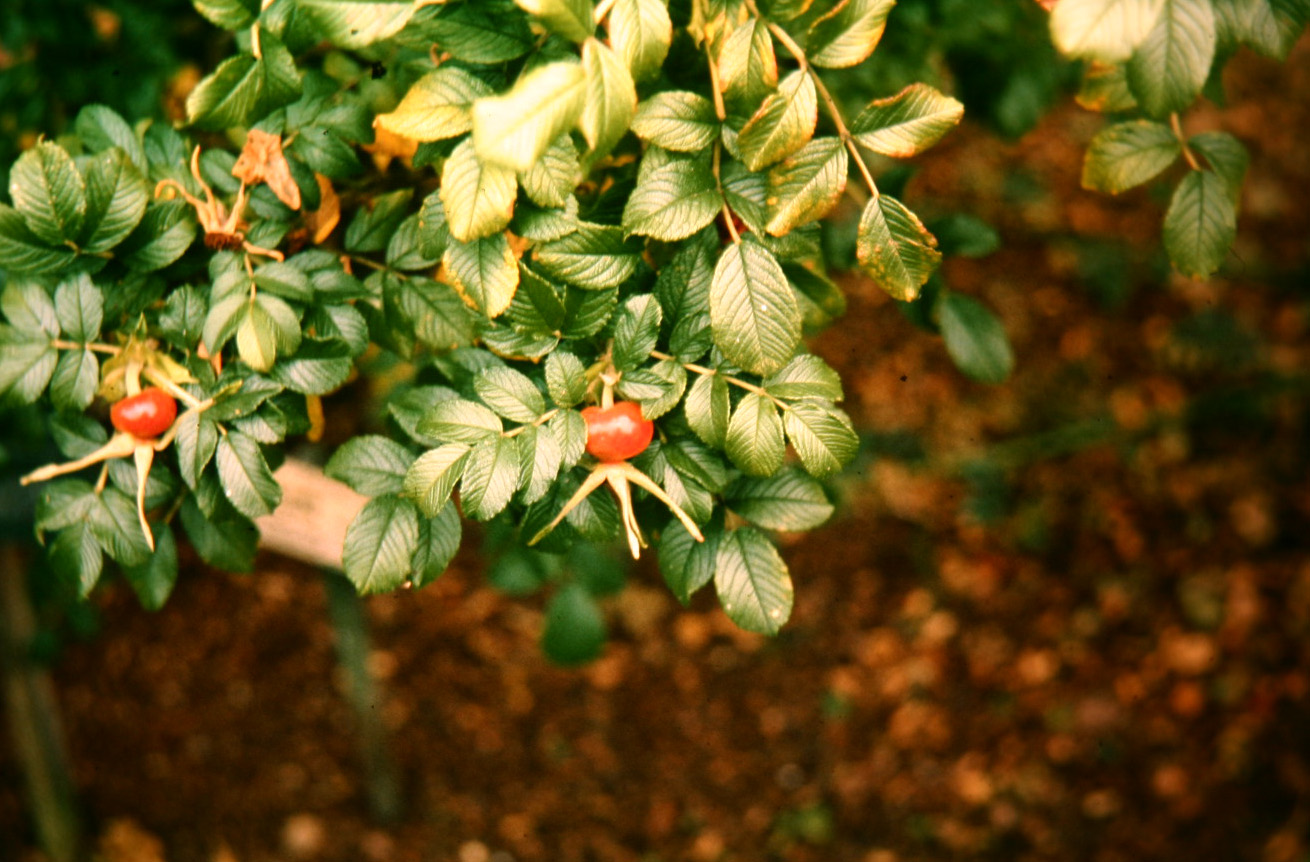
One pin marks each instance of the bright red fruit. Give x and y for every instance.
(617, 433)
(146, 414)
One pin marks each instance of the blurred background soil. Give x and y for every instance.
(1064, 618)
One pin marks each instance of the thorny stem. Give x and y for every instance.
(1176, 124)
(735, 381)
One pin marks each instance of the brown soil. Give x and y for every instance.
(1113, 665)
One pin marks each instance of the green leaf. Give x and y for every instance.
(642, 385)
(164, 235)
(1268, 26)
(1105, 30)
(1226, 157)
(754, 439)
(410, 407)
(371, 464)
(514, 130)
(76, 557)
(806, 185)
(437, 106)
(30, 310)
(440, 319)
(195, 442)
(641, 33)
(908, 123)
(438, 540)
(752, 581)
(80, 308)
(747, 194)
(570, 429)
(243, 89)
(356, 23)
(782, 125)
(116, 195)
(753, 312)
(1200, 225)
(593, 257)
(491, 475)
(380, 545)
(540, 458)
(153, 582)
(432, 477)
(510, 393)
(673, 378)
(847, 35)
(114, 523)
(226, 542)
(22, 251)
(636, 331)
(822, 435)
(687, 565)
(372, 227)
(748, 68)
(483, 32)
(553, 177)
(673, 201)
(974, 338)
(47, 189)
(1128, 154)
(478, 199)
(73, 384)
(1171, 65)
(485, 272)
(676, 120)
(696, 462)
(285, 280)
(894, 248)
(433, 235)
(1105, 89)
(458, 421)
(790, 500)
(708, 407)
(574, 632)
(806, 376)
(247, 481)
(101, 128)
(566, 379)
(611, 98)
(588, 311)
(228, 14)
(25, 370)
(569, 18)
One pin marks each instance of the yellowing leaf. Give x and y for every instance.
(262, 161)
(437, 106)
(783, 123)
(908, 123)
(478, 199)
(513, 130)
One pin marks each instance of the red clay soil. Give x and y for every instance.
(1096, 651)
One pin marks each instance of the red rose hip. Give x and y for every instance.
(146, 414)
(617, 433)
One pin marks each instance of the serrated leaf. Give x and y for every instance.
(485, 271)
(49, 192)
(25, 370)
(22, 251)
(748, 67)
(371, 464)
(478, 199)
(356, 23)
(101, 128)
(673, 201)
(747, 194)
(1105, 30)
(574, 631)
(708, 408)
(566, 379)
(752, 581)
(570, 429)
(285, 280)
(439, 318)
(553, 177)
(73, 384)
(1226, 157)
(153, 582)
(380, 544)
(790, 500)
(674, 377)
(114, 523)
(195, 442)
(458, 421)
(1170, 66)
(753, 312)
(228, 14)
(491, 475)
(433, 235)
(641, 33)
(1105, 88)
(611, 98)
(908, 123)
(243, 89)
(588, 311)
(974, 338)
(806, 185)
(438, 541)
(754, 439)
(569, 18)
(822, 436)
(1200, 225)
(847, 35)
(636, 331)
(539, 462)
(77, 558)
(79, 307)
(30, 310)
(894, 248)
(510, 393)
(806, 376)
(373, 226)
(437, 106)
(247, 482)
(163, 235)
(1128, 154)
(488, 31)
(116, 198)
(676, 120)
(782, 125)
(594, 257)
(432, 477)
(687, 565)
(537, 305)
(514, 130)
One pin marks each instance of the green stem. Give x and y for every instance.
(1176, 123)
(735, 381)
